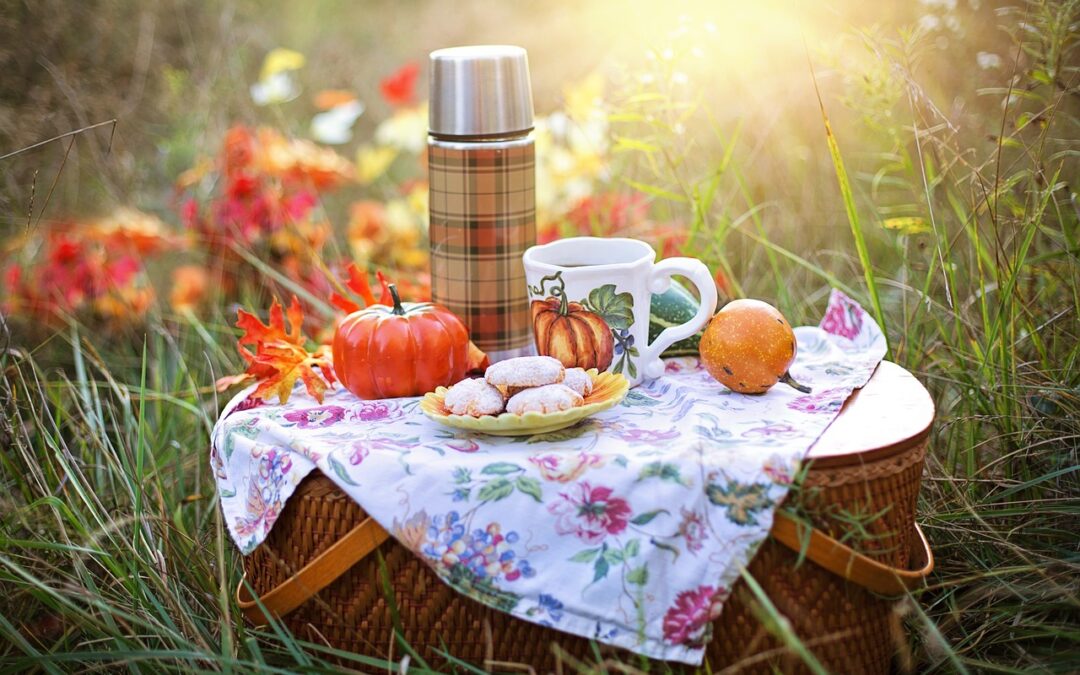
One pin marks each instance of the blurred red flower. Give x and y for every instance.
(269, 186)
(668, 240)
(399, 88)
(608, 213)
(78, 269)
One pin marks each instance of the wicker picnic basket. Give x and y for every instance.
(318, 570)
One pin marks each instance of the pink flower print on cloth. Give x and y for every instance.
(859, 336)
(843, 317)
(693, 529)
(563, 467)
(360, 450)
(688, 620)
(826, 402)
(249, 403)
(376, 411)
(323, 416)
(589, 513)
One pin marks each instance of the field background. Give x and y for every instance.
(944, 199)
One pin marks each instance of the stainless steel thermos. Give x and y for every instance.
(482, 200)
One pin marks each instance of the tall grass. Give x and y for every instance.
(112, 551)
(978, 291)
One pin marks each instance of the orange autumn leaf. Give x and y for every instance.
(357, 283)
(190, 286)
(386, 298)
(279, 356)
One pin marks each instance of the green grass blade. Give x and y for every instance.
(852, 213)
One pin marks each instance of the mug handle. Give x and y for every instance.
(660, 281)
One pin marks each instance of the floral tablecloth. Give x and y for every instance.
(629, 528)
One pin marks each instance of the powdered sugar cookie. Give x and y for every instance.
(578, 380)
(545, 399)
(474, 397)
(525, 371)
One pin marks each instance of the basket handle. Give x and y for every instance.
(849, 564)
(325, 568)
(312, 577)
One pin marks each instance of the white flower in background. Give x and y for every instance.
(399, 216)
(929, 22)
(334, 126)
(276, 81)
(405, 130)
(277, 88)
(988, 60)
(569, 159)
(570, 148)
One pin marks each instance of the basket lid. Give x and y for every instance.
(890, 415)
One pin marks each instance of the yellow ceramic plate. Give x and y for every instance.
(608, 390)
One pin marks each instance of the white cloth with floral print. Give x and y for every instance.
(629, 528)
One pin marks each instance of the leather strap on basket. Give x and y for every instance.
(849, 564)
(313, 577)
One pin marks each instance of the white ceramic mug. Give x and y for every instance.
(590, 297)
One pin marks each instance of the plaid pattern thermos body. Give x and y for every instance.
(483, 217)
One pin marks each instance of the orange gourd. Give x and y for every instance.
(748, 347)
(404, 349)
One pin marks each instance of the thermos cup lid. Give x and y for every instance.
(481, 91)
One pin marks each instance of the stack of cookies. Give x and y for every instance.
(517, 386)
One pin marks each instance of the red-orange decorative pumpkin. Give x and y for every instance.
(574, 335)
(406, 349)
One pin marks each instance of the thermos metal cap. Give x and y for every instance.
(482, 90)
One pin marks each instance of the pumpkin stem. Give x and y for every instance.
(398, 309)
(789, 381)
(560, 293)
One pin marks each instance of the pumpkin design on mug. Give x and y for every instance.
(575, 333)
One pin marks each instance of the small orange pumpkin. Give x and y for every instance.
(404, 349)
(572, 334)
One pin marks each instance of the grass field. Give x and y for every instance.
(925, 159)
